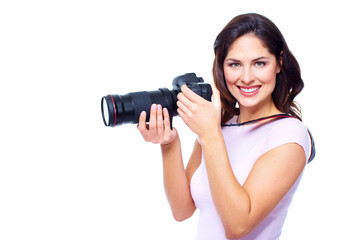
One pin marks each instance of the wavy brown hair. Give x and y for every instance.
(288, 81)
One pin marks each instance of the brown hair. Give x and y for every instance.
(288, 81)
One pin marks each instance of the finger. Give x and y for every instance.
(152, 122)
(191, 95)
(180, 113)
(215, 95)
(184, 105)
(142, 125)
(159, 121)
(142, 121)
(183, 116)
(185, 102)
(166, 120)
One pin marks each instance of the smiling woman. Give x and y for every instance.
(241, 176)
(268, 46)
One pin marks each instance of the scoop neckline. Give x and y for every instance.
(276, 116)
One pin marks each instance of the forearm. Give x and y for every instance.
(176, 184)
(230, 198)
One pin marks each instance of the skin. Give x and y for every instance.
(250, 65)
(240, 207)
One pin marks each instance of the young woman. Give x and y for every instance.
(248, 160)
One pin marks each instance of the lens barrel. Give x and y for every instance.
(123, 109)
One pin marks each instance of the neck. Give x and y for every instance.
(253, 113)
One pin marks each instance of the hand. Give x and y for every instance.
(158, 130)
(200, 115)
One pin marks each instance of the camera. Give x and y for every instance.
(123, 109)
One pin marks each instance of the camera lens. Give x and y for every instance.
(121, 109)
(105, 111)
(108, 110)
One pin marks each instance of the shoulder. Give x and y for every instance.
(288, 125)
(288, 130)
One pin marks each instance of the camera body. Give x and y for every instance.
(123, 109)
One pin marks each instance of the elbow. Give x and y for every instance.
(238, 225)
(182, 215)
(179, 218)
(236, 232)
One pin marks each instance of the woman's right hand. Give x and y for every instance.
(158, 129)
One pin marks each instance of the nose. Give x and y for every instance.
(247, 76)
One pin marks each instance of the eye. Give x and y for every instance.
(234, 65)
(260, 64)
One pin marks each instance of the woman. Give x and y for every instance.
(248, 160)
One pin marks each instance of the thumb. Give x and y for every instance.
(215, 95)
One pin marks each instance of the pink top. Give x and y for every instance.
(245, 144)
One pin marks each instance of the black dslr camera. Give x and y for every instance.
(122, 109)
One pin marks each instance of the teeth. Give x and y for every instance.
(249, 90)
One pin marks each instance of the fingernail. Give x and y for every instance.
(143, 113)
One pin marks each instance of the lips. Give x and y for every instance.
(249, 91)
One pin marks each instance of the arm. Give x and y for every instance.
(241, 208)
(176, 179)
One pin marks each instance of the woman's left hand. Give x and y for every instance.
(200, 115)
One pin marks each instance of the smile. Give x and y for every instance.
(249, 91)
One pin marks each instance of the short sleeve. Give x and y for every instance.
(288, 130)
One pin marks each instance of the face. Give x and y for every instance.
(250, 73)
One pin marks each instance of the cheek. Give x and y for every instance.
(231, 77)
(270, 82)
(230, 80)
(267, 77)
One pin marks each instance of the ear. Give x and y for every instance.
(278, 69)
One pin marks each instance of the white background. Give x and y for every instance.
(64, 175)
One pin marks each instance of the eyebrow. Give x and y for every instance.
(254, 60)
